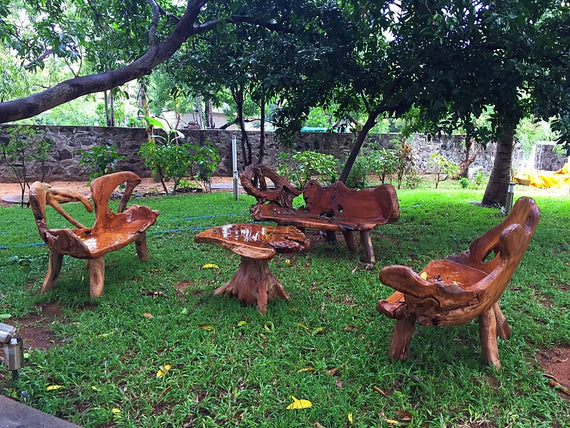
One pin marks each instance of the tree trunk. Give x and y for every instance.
(370, 122)
(496, 191)
(238, 95)
(261, 132)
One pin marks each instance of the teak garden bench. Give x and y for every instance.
(461, 287)
(332, 209)
(111, 231)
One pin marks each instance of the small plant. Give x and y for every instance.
(464, 182)
(164, 155)
(442, 168)
(100, 160)
(478, 179)
(170, 158)
(404, 161)
(383, 162)
(358, 176)
(205, 163)
(25, 144)
(300, 167)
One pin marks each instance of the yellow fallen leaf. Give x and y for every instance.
(105, 334)
(424, 275)
(163, 370)
(350, 419)
(306, 369)
(206, 326)
(210, 266)
(115, 411)
(242, 323)
(54, 387)
(94, 388)
(299, 404)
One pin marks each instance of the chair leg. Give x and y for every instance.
(350, 240)
(488, 336)
(96, 276)
(503, 330)
(54, 266)
(367, 246)
(403, 332)
(141, 248)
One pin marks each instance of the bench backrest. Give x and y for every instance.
(340, 201)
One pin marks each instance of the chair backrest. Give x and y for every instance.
(380, 203)
(501, 240)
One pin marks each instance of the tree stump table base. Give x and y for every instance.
(254, 283)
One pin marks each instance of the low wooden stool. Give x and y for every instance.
(256, 244)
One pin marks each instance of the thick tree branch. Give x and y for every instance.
(74, 88)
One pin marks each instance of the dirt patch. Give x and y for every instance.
(35, 328)
(556, 365)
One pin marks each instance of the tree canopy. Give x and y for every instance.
(448, 60)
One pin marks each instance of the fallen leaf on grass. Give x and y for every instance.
(210, 266)
(306, 369)
(94, 388)
(206, 327)
(54, 387)
(335, 371)
(147, 315)
(162, 370)
(116, 411)
(375, 388)
(5, 316)
(390, 421)
(350, 418)
(404, 416)
(241, 323)
(299, 404)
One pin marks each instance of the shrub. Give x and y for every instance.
(25, 144)
(358, 176)
(300, 167)
(383, 162)
(442, 168)
(99, 160)
(464, 182)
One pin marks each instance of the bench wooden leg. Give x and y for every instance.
(141, 248)
(367, 247)
(403, 332)
(331, 235)
(488, 336)
(96, 276)
(350, 240)
(54, 266)
(254, 283)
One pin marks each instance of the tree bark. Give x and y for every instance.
(370, 122)
(496, 191)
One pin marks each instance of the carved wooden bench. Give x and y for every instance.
(461, 287)
(332, 209)
(256, 244)
(111, 231)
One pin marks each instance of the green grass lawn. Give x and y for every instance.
(232, 366)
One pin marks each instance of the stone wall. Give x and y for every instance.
(63, 162)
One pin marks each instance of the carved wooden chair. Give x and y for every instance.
(111, 231)
(461, 287)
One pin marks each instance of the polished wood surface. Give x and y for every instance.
(110, 231)
(335, 208)
(256, 244)
(461, 287)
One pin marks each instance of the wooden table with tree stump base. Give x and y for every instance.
(256, 244)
